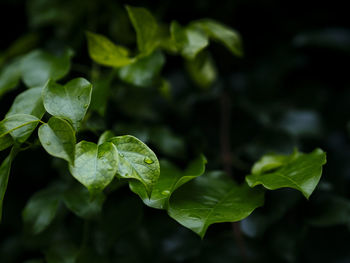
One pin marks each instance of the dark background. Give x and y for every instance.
(291, 89)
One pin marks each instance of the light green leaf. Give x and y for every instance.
(136, 161)
(105, 52)
(105, 137)
(41, 209)
(170, 179)
(298, 170)
(79, 201)
(19, 126)
(58, 138)
(10, 76)
(221, 33)
(39, 66)
(143, 71)
(146, 28)
(212, 198)
(202, 70)
(70, 101)
(4, 176)
(28, 102)
(189, 40)
(94, 165)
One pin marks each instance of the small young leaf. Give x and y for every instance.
(28, 102)
(298, 170)
(70, 101)
(136, 161)
(4, 176)
(105, 137)
(41, 209)
(19, 126)
(39, 66)
(143, 72)
(170, 179)
(146, 28)
(58, 138)
(94, 165)
(212, 198)
(221, 33)
(105, 52)
(79, 201)
(189, 40)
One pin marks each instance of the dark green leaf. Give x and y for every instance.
(28, 102)
(41, 209)
(5, 138)
(95, 165)
(212, 198)
(58, 138)
(70, 101)
(146, 28)
(9, 77)
(136, 161)
(19, 126)
(39, 66)
(189, 40)
(223, 34)
(105, 52)
(298, 170)
(143, 71)
(170, 179)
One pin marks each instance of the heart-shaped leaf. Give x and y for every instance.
(58, 138)
(70, 101)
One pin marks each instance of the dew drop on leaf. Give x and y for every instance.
(166, 192)
(148, 160)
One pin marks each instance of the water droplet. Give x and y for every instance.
(148, 160)
(110, 168)
(121, 155)
(86, 105)
(166, 192)
(48, 143)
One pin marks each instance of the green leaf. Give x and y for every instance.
(28, 102)
(146, 27)
(221, 33)
(70, 101)
(101, 93)
(202, 70)
(170, 179)
(298, 170)
(79, 201)
(143, 71)
(189, 40)
(136, 161)
(5, 138)
(19, 126)
(4, 176)
(39, 66)
(10, 76)
(94, 165)
(58, 138)
(41, 209)
(212, 198)
(105, 137)
(105, 52)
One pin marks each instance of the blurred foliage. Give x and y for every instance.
(289, 90)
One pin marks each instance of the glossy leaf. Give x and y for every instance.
(189, 40)
(136, 161)
(94, 165)
(202, 70)
(298, 171)
(10, 76)
(28, 102)
(146, 28)
(212, 198)
(105, 137)
(19, 126)
(223, 34)
(143, 72)
(41, 209)
(170, 179)
(105, 52)
(79, 201)
(39, 66)
(70, 101)
(5, 168)
(58, 138)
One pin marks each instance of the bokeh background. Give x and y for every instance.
(291, 89)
